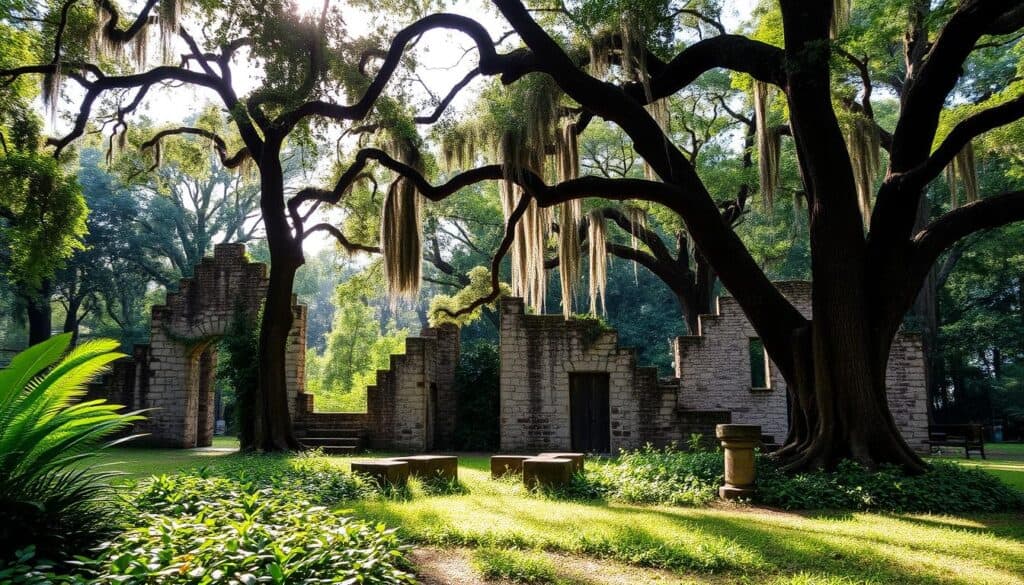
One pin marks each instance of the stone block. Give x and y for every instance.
(577, 459)
(384, 471)
(432, 466)
(505, 464)
(547, 472)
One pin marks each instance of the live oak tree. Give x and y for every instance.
(863, 284)
(866, 270)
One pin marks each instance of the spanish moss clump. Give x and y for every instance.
(401, 236)
(598, 274)
(51, 92)
(962, 171)
(658, 109)
(170, 17)
(637, 222)
(568, 219)
(768, 144)
(841, 10)
(864, 146)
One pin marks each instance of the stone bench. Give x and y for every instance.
(547, 472)
(432, 466)
(505, 464)
(383, 472)
(576, 458)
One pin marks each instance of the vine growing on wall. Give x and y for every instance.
(241, 342)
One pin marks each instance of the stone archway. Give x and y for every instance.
(181, 358)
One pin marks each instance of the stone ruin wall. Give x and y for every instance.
(173, 374)
(713, 369)
(412, 405)
(538, 352)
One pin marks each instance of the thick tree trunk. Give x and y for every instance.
(273, 426)
(71, 321)
(40, 314)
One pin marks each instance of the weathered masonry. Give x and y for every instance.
(173, 375)
(411, 407)
(563, 386)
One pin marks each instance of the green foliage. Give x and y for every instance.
(240, 346)
(476, 385)
(356, 347)
(42, 211)
(655, 476)
(193, 529)
(48, 499)
(591, 328)
(479, 286)
(945, 488)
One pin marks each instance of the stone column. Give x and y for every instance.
(739, 442)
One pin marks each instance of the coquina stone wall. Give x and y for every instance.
(412, 405)
(538, 354)
(714, 372)
(173, 375)
(712, 384)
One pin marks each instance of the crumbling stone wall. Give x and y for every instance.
(539, 352)
(173, 375)
(412, 405)
(713, 368)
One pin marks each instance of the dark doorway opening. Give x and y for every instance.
(588, 412)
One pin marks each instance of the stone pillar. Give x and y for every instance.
(739, 442)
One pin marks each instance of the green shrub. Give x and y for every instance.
(195, 529)
(945, 488)
(681, 478)
(653, 476)
(50, 501)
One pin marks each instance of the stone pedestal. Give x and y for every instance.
(739, 442)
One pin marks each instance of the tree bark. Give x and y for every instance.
(39, 312)
(273, 426)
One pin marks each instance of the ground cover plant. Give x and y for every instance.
(708, 543)
(253, 519)
(46, 500)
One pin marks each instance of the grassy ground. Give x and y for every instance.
(497, 529)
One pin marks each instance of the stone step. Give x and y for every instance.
(331, 441)
(340, 450)
(329, 432)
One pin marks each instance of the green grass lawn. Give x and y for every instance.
(506, 532)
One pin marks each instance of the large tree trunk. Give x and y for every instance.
(273, 427)
(40, 313)
(71, 321)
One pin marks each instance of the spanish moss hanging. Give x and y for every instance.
(768, 143)
(864, 146)
(962, 171)
(598, 260)
(568, 219)
(401, 235)
(637, 222)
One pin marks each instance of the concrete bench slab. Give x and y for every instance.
(505, 464)
(431, 466)
(384, 471)
(547, 472)
(577, 459)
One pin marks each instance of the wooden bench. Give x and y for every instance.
(969, 437)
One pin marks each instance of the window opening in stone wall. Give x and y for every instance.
(759, 377)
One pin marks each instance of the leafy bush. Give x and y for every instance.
(240, 343)
(476, 383)
(670, 476)
(194, 529)
(945, 488)
(653, 476)
(49, 500)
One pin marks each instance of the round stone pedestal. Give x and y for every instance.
(738, 442)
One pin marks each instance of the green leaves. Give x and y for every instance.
(45, 431)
